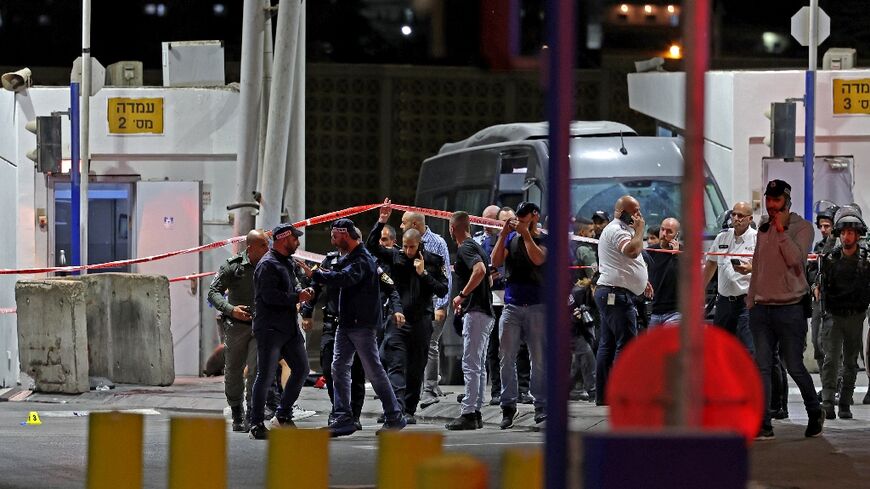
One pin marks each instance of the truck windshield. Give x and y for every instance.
(659, 198)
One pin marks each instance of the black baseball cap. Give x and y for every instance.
(778, 188)
(345, 225)
(285, 229)
(600, 216)
(527, 208)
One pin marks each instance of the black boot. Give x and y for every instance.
(828, 408)
(479, 418)
(845, 411)
(240, 424)
(463, 422)
(508, 413)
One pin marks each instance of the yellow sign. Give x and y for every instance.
(135, 115)
(852, 96)
(33, 418)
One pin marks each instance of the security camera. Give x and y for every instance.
(16, 81)
(652, 64)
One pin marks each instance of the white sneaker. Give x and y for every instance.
(299, 413)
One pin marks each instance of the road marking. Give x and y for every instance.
(454, 445)
(796, 391)
(73, 414)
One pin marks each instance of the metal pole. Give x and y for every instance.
(75, 178)
(690, 374)
(85, 130)
(247, 158)
(560, 109)
(266, 87)
(810, 102)
(280, 108)
(294, 181)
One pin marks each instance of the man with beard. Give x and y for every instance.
(276, 295)
(776, 291)
(845, 289)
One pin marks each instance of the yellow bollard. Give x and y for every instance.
(197, 453)
(456, 471)
(522, 469)
(114, 450)
(298, 458)
(401, 452)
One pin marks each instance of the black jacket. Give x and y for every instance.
(389, 296)
(276, 293)
(846, 281)
(416, 291)
(356, 274)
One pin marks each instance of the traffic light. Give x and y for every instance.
(782, 130)
(47, 154)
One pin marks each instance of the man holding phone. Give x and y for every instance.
(420, 276)
(236, 276)
(663, 265)
(624, 276)
(734, 273)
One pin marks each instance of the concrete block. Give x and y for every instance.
(52, 334)
(129, 328)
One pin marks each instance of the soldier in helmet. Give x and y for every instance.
(825, 224)
(844, 285)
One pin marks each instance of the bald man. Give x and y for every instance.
(624, 276)
(236, 277)
(663, 270)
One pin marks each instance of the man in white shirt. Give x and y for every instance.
(734, 274)
(623, 277)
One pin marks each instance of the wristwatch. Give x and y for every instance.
(463, 295)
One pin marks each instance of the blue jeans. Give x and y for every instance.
(784, 327)
(272, 345)
(668, 318)
(476, 327)
(618, 327)
(518, 324)
(363, 341)
(733, 316)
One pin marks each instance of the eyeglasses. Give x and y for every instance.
(737, 215)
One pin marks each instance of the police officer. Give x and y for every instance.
(359, 316)
(825, 224)
(240, 348)
(420, 276)
(276, 294)
(327, 339)
(845, 290)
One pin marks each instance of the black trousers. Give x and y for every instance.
(404, 354)
(357, 375)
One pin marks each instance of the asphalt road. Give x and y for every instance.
(54, 455)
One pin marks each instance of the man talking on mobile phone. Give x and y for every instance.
(776, 294)
(624, 276)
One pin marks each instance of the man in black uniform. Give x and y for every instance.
(240, 348)
(359, 316)
(276, 295)
(844, 286)
(419, 277)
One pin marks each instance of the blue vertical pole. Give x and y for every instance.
(75, 184)
(809, 143)
(560, 109)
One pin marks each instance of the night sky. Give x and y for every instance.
(48, 32)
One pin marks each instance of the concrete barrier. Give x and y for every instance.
(129, 337)
(120, 327)
(52, 334)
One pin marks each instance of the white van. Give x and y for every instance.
(506, 164)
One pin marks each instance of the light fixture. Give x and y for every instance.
(675, 51)
(648, 9)
(623, 8)
(671, 9)
(406, 30)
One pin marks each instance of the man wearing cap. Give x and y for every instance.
(599, 221)
(520, 249)
(776, 291)
(583, 253)
(240, 348)
(359, 318)
(734, 273)
(420, 276)
(276, 295)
